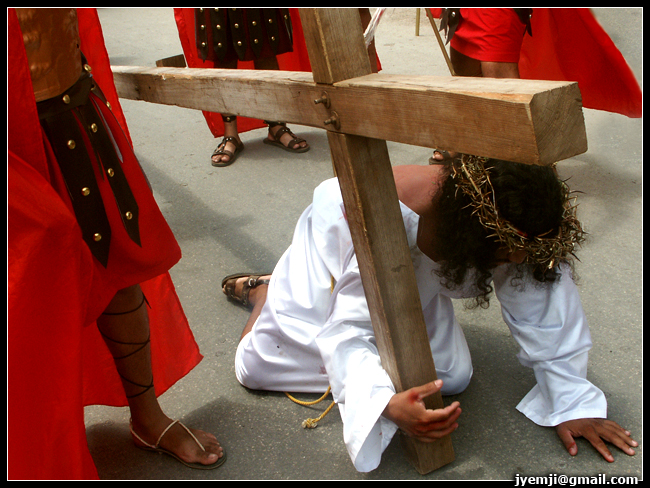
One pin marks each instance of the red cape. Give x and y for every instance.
(57, 361)
(298, 60)
(568, 44)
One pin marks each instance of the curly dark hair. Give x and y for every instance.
(529, 196)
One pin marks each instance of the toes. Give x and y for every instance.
(182, 444)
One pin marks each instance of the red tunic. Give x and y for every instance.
(57, 360)
(489, 34)
(568, 44)
(298, 60)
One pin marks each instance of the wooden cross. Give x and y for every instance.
(533, 122)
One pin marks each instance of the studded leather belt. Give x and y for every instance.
(76, 132)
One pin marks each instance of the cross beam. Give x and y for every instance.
(523, 121)
(526, 121)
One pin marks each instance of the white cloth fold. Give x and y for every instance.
(309, 336)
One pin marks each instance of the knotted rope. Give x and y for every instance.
(313, 423)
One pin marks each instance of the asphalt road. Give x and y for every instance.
(242, 217)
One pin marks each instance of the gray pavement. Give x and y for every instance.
(242, 217)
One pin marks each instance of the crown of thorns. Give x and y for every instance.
(472, 178)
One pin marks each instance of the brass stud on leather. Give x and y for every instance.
(66, 99)
(97, 237)
(72, 144)
(85, 191)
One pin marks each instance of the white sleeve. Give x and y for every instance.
(549, 324)
(360, 386)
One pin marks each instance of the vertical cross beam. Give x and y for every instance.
(337, 52)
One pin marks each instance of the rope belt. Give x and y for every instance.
(313, 423)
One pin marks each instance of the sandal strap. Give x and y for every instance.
(285, 130)
(281, 131)
(142, 345)
(229, 139)
(251, 282)
(157, 444)
(221, 148)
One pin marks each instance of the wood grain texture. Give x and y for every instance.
(365, 175)
(533, 122)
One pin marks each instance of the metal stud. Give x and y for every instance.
(72, 144)
(324, 99)
(97, 237)
(66, 99)
(85, 191)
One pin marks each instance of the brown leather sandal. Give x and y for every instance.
(222, 151)
(254, 280)
(293, 145)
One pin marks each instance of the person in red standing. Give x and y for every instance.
(230, 38)
(93, 317)
(249, 38)
(560, 44)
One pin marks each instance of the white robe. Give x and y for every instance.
(309, 336)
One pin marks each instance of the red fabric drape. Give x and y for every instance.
(568, 44)
(57, 361)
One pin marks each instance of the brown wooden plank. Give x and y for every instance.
(527, 121)
(364, 170)
(177, 61)
(519, 120)
(336, 50)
